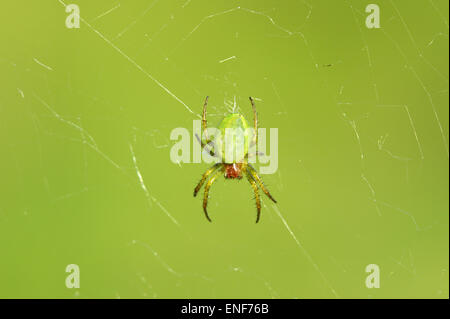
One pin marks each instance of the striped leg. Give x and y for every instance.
(207, 187)
(205, 176)
(254, 174)
(204, 126)
(255, 189)
(255, 120)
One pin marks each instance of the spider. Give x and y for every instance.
(232, 169)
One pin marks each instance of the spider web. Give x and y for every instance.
(363, 149)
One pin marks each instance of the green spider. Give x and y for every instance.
(232, 169)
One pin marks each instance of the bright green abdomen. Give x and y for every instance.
(234, 138)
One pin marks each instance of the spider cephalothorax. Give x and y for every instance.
(237, 167)
(233, 170)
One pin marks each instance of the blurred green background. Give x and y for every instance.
(363, 155)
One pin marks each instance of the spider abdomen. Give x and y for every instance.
(234, 139)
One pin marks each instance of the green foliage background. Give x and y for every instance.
(363, 149)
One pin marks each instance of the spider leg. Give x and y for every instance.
(207, 187)
(211, 144)
(250, 155)
(204, 126)
(258, 179)
(255, 120)
(255, 189)
(205, 177)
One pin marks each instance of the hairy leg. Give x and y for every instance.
(255, 189)
(255, 120)
(211, 145)
(205, 177)
(207, 187)
(258, 179)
